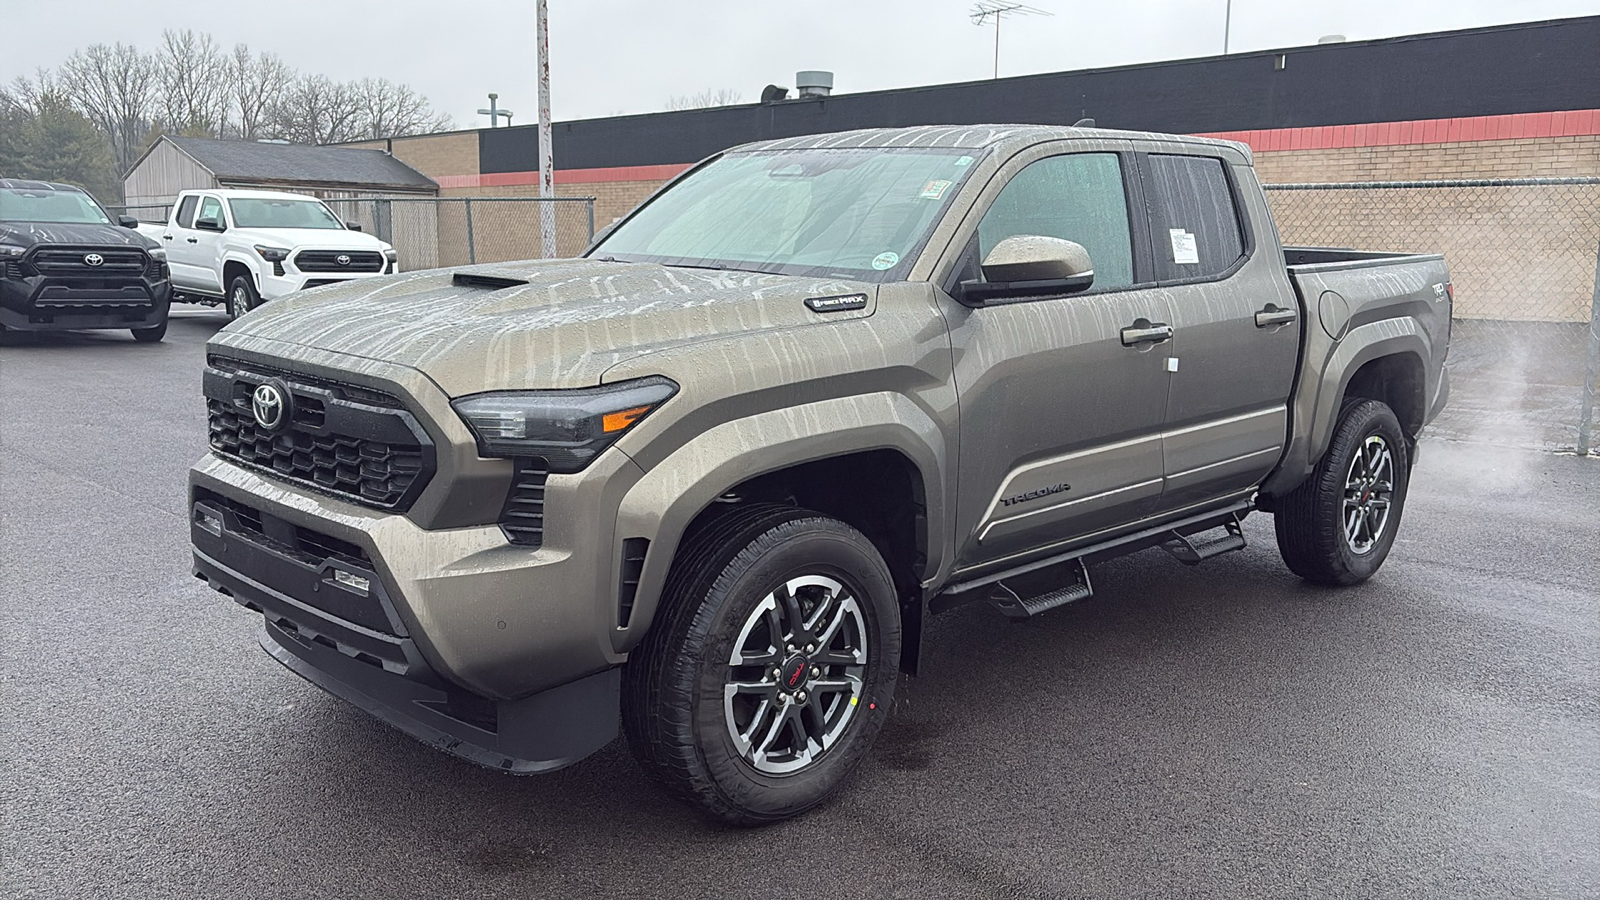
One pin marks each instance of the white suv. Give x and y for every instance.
(245, 247)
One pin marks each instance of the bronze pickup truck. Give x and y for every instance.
(705, 484)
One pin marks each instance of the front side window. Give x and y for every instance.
(62, 207)
(1193, 220)
(1079, 198)
(263, 212)
(857, 213)
(211, 208)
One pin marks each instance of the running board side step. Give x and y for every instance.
(1185, 549)
(1015, 607)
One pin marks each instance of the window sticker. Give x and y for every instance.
(1184, 251)
(887, 258)
(933, 190)
(963, 162)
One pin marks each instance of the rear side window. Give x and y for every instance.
(186, 211)
(1078, 198)
(1194, 223)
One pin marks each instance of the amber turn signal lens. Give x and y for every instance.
(619, 421)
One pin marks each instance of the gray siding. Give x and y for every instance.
(160, 176)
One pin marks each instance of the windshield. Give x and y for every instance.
(61, 207)
(275, 213)
(859, 213)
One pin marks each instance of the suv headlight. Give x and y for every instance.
(271, 253)
(9, 252)
(567, 428)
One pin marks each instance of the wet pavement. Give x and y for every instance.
(1225, 731)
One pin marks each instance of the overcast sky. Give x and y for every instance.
(629, 56)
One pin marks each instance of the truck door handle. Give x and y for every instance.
(1273, 315)
(1146, 332)
(166, 237)
(193, 240)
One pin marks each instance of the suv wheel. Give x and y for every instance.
(1338, 526)
(771, 666)
(242, 296)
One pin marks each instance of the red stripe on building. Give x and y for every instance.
(1421, 131)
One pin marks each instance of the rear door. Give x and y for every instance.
(1060, 420)
(1236, 327)
(183, 252)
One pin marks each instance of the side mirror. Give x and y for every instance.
(128, 222)
(353, 226)
(1030, 265)
(208, 224)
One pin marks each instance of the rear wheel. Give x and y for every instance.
(771, 666)
(242, 296)
(1337, 527)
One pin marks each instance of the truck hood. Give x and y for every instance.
(538, 324)
(321, 238)
(27, 234)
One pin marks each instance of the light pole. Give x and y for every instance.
(1227, 25)
(495, 112)
(547, 186)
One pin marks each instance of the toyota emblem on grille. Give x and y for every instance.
(269, 403)
(342, 259)
(94, 259)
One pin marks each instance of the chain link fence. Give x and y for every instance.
(431, 232)
(154, 215)
(1524, 257)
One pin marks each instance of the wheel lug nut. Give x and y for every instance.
(800, 696)
(816, 671)
(777, 673)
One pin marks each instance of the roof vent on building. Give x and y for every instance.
(813, 84)
(772, 94)
(1332, 39)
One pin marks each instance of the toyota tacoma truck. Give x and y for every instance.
(64, 264)
(705, 485)
(242, 248)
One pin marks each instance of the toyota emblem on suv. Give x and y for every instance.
(93, 259)
(270, 406)
(342, 259)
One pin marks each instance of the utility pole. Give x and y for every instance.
(985, 11)
(547, 184)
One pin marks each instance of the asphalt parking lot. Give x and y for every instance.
(1220, 732)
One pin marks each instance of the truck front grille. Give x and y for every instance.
(114, 263)
(328, 261)
(337, 439)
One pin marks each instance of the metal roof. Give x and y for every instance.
(300, 163)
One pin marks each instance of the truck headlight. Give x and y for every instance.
(567, 428)
(158, 253)
(271, 253)
(391, 256)
(9, 252)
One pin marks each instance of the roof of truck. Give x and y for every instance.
(26, 184)
(976, 137)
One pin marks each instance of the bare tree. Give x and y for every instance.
(706, 98)
(194, 79)
(114, 87)
(257, 84)
(317, 110)
(390, 110)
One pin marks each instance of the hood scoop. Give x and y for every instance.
(486, 282)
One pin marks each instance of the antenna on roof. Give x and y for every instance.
(986, 11)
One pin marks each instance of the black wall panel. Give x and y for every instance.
(1539, 67)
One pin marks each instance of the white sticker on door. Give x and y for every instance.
(1184, 251)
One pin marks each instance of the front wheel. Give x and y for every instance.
(770, 668)
(1337, 527)
(242, 296)
(150, 335)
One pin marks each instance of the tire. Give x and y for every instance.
(678, 711)
(242, 296)
(1337, 527)
(150, 335)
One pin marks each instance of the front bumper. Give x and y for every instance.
(274, 286)
(44, 304)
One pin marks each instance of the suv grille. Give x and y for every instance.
(337, 440)
(114, 262)
(328, 261)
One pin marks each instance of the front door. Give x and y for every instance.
(183, 246)
(1060, 418)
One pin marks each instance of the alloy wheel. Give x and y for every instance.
(796, 674)
(1368, 494)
